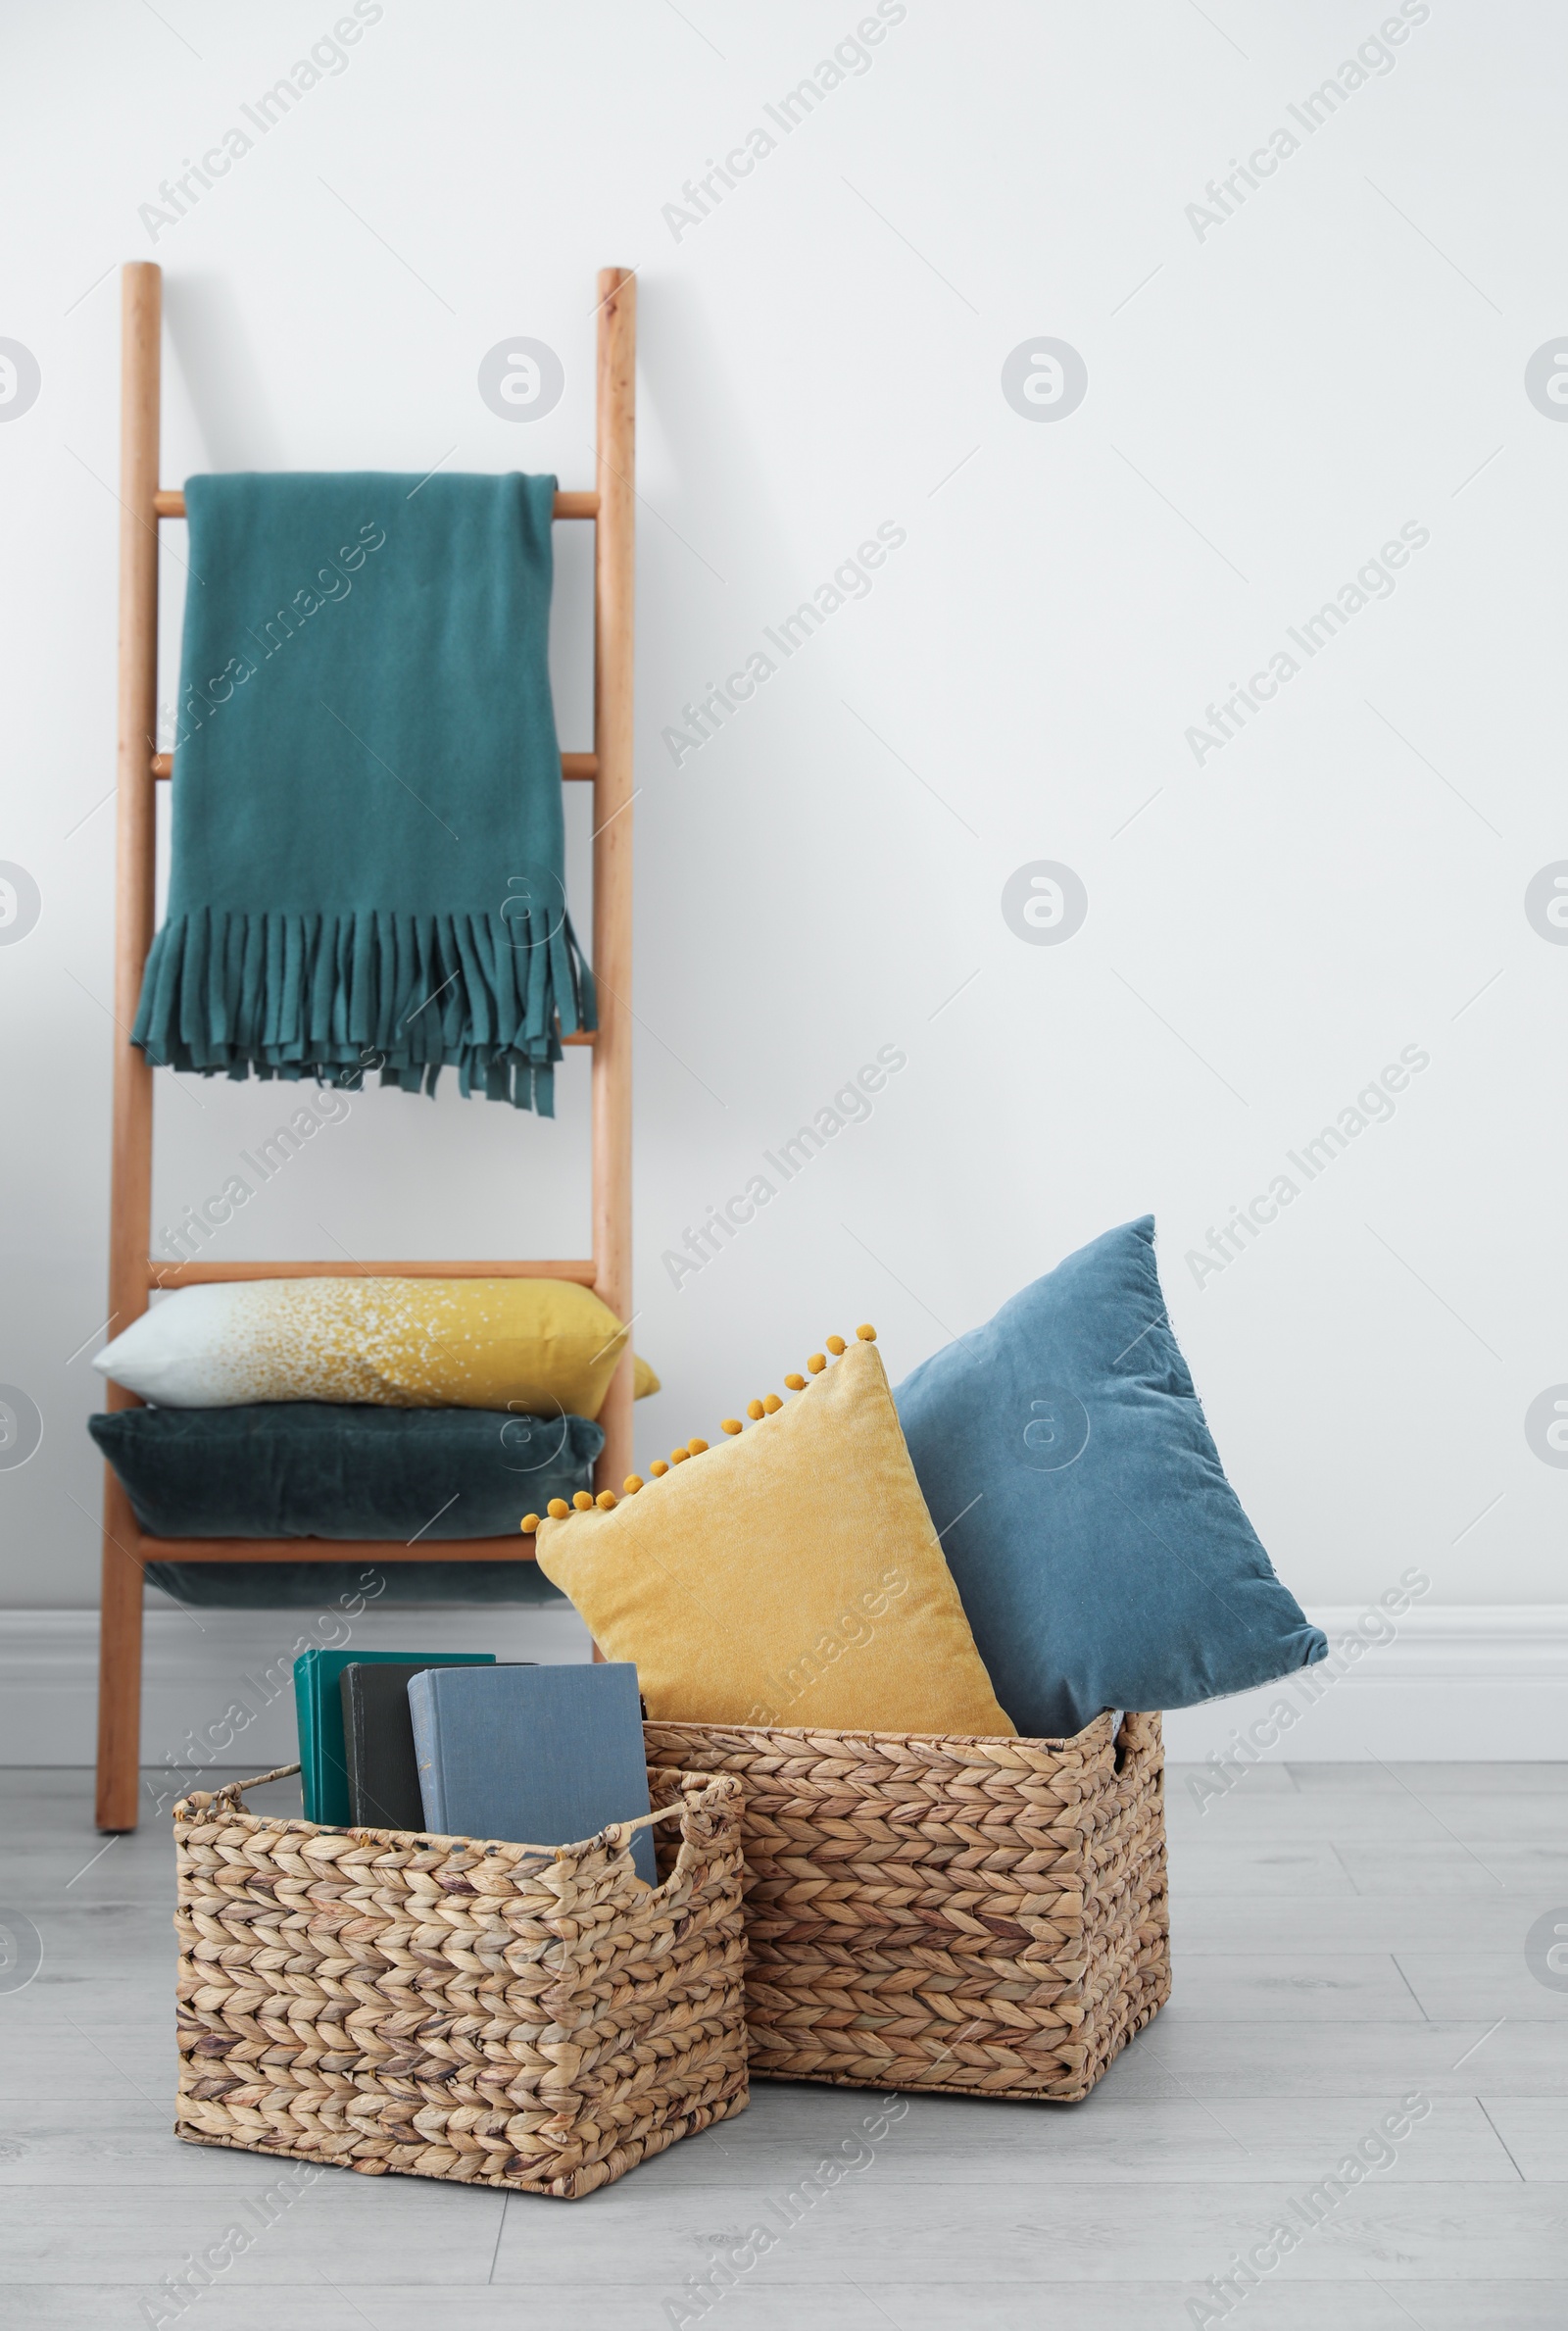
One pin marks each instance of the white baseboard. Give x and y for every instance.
(217, 1687)
(1455, 1683)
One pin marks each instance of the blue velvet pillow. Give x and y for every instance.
(1102, 1558)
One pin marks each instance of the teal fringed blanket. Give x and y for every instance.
(367, 833)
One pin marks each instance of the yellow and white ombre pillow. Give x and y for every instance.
(534, 1345)
(791, 1575)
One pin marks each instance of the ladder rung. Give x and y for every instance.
(170, 502)
(334, 1549)
(584, 765)
(206, 1274)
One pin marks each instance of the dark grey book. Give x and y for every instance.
(383, 1777)
(536, 1755)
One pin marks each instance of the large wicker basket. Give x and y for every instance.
(505, 2014)
(987, 1917)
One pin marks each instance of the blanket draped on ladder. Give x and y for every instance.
(367, 858)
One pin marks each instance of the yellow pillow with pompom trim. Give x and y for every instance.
(789, 1575)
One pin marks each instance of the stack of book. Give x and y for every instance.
(452, 1744)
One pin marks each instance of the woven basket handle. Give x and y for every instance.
(688, 1802)
(201, 1801)
(620, 1833)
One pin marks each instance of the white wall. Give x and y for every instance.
(1267, 407)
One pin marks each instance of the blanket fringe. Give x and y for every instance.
(342, 997)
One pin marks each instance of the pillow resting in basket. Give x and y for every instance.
(789, 1575)
(536, 1346)
(1103, 1556)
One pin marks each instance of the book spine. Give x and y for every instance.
(305, 1696)
(354, 1763)
(433, 1792)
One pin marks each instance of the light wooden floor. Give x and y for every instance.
(1345, 1936)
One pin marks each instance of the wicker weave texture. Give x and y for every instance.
(987, 1917)
(447, 2007)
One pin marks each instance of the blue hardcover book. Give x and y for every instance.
(318, 1709)
(536, 1755)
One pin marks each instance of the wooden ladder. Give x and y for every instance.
(132, 1273)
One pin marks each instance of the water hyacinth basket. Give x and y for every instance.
(443, 2006)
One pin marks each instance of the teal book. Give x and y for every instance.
(319, 1708)
(535, 1755)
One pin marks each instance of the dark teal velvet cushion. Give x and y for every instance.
(314, 1469)
(1102, 1558)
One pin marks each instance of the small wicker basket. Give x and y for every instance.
(504, 2015)
(988, 1916)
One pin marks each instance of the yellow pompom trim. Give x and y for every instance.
(607, 1501)
(528, 1524)
(768, 1405)
(557, 1508)
(582, 1500)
